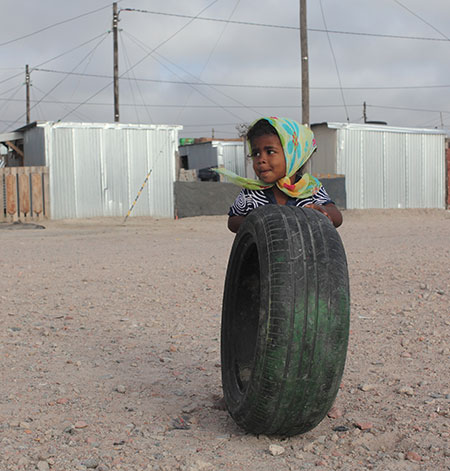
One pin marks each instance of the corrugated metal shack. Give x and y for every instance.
(96, 169)
(384, 166)
(214, 153)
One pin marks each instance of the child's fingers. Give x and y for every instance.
(319, 208)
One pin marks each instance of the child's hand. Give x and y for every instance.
(320, 208)
(330, 211)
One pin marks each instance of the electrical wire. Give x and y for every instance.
(179, 105)
(64, 78)
(335, 62)
(127, 59)
(56, 102)
(268, 25)
(193, 85)
(104, 35)
(147, 55)
(241, 85)
(211, 54)
(55, 24)
(422, 19)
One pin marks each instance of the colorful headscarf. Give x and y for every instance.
(298, 144)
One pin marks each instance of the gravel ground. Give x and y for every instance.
(109, 347)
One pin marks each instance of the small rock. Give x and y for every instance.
(276, 450)
(80, 424)
(340, 428)
(180, 423)
(62, 400)
(335, 413)
(363, 425)
(90, 463)
(413, 456)
(367, 387)
(69, 429)
(405, 355)
(43, 466)
(120, 388)
(406, 390)
(201, 465)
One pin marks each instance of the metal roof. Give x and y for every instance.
(381, 127)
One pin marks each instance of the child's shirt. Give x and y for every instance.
(248, 200)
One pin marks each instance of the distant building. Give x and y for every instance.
(202, 154)
(384, 166)
(97, 169)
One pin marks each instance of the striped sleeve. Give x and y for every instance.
(321, 197)
(239, 207)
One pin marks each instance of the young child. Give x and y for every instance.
(279, 148)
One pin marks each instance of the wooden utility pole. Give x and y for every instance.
(305, 64)
(116, 62)
(27, 84)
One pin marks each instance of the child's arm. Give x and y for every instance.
(330, 210)
(234, 223)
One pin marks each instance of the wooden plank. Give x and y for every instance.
(47, 209)
(11, 195)
(24, 195)
(2, 193)
(37, 196)
(15, 148)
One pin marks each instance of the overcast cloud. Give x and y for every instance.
(219, 53)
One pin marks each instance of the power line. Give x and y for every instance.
(296, 28)
(65, 77)
(335, 62)
(54, 25)
(192, 84)
(175, 105)
(137, 83)
(421, 19)
(212, 52)
(241, 85)
(146, 56)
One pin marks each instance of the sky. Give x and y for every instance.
(213, 65)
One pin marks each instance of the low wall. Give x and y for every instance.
(213, 198)
(203, 198)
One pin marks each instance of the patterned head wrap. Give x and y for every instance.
(298, 144)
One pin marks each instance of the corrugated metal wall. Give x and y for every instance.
(391, 167)
(213, 153)
(231, 156)
(98, 169)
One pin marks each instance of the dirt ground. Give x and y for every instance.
(109, 347)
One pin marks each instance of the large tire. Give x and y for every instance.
(285, 320)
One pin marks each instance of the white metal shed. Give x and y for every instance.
(384, 166)
(229, 154)
(96, 169)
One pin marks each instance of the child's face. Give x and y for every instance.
(268, 159)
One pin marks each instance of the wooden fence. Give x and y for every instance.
(24, 194)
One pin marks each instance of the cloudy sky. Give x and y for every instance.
(214, 64)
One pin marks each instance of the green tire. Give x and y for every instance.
(285, 321)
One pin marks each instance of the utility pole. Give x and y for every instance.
(27, 84)
(116, 62)
(305, 64)
(364, 112)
